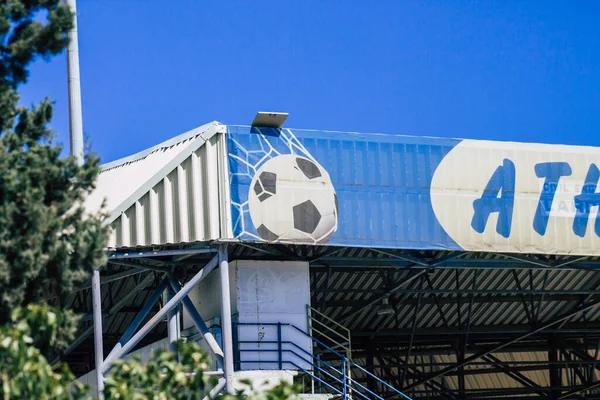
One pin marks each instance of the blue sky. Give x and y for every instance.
(500, 70)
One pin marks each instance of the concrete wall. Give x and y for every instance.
(262, 292)
(207, 296)
(272, 292)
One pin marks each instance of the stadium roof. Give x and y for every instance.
(522, 318)
(148, 195)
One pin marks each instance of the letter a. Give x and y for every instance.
(503, 183)
(585, 201)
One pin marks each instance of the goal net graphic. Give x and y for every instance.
(249, 149)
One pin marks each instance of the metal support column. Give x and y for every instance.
(371, 383)
(460, 357)
(226, 325)
(173, 322)
(98, 346)
(200, 324)
(137, 321)
(554, 369)
(162, 313)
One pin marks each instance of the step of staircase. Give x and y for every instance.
(315, 396)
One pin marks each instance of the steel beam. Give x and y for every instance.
(522, 295)
(76, 343)
(216, 390)
(440, 301)
(158, 253)
(514, 374)
(583, 388)
(541, 300)
(460, 357)
(574, 260)
(528, 260)
(327, 253)
(163, 312)
(137, 321)
(478, 292)
(377, 299)
(325, 287)
(126, 298)
(137, 264)
(370, 366)
(416, 311)
(488, 331)
(454, 262)
(434, 385)
(199, 323)
(226, 325)
(436, 300)
(105, 279)
(111, 313)
(504, 344)
(403, 257)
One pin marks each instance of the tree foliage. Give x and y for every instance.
(161, 378)
(47, 242)
(24, 371)
(165, 378)
(26, 374)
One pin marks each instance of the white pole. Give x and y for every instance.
(226, 329)
(76, 134)
(75, 118)
(172, 322)
(98, 346)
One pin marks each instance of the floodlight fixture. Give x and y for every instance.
(269, 119)
(385, 308)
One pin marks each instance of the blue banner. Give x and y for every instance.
(392, 191)
(364, 192)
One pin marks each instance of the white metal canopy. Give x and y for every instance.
(174, 192)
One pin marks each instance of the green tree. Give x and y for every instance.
(164, 378)
(26, 374)
(48, 244)
(24, 371)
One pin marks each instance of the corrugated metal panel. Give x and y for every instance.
(381, 185)
(175, 192)
(361, 287)
(393, 191)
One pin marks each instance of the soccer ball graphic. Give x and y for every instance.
(292, 199)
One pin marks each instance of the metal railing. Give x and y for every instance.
(335, 334)
(320, 325)
(287, 354)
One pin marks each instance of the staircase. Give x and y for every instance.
(322, 357)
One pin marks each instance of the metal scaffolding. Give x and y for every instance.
(465, 325)
(177, 296)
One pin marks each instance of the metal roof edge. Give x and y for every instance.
(211, 129)
(167, 143)
(359, 133)
(428, 137)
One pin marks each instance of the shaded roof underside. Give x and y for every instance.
(442, 300)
